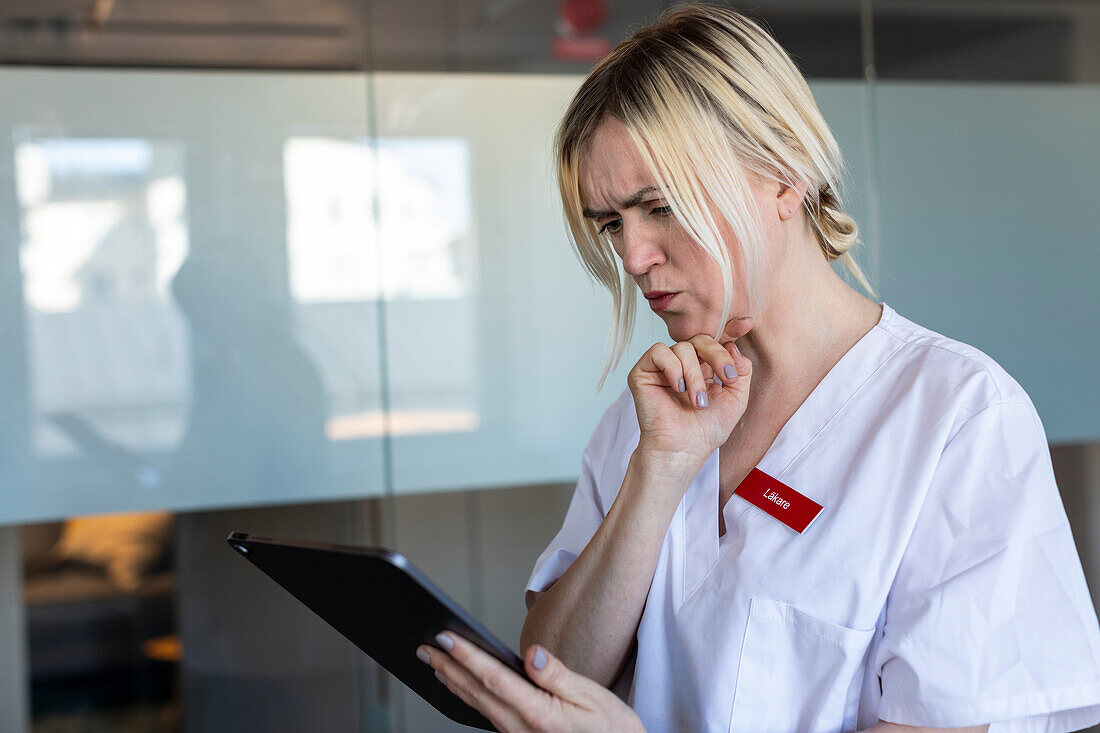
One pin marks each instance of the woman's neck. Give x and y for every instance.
(809, 320)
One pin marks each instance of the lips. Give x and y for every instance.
(659, 299)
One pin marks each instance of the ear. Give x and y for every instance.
(789, 199)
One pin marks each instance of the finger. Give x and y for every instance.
(500, 681)
(669, 366)
(708, 373)
(741, 363)
(719, 359)
(551, 674)
(464, 685)
(693, 374)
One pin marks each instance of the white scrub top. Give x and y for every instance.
(939, 587)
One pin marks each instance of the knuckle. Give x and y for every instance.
(541, 724)
(544, 715)
(705, 342)
(493, 681)
(537, 723)
(471, 696)
(537, 719)
(556, 676)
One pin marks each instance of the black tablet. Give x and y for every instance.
(382, 604)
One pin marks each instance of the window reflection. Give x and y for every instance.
(104, 231)
(417, 254)
(425, 219)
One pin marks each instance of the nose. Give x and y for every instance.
(641, 250)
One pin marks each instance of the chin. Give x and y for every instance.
(684, 331)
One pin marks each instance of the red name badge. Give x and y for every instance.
(779, 500)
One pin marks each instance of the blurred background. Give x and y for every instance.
(299, 269)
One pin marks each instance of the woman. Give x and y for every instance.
(896, 555)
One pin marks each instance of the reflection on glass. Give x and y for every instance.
(330, 229)
(418, 254)
(104, 231)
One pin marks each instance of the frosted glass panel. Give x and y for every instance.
(189, 332)
(846, 107)
(990, 221)
(234, 290)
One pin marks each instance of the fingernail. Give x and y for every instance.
(716, 379)
(731, 373)
(439, 676)
(701, 399)
(736, 349)
(540, 659)
(422, 655)
(683, 385)
(444, 641)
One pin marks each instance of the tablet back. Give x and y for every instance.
(381, 603)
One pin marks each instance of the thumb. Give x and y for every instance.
(549, 673)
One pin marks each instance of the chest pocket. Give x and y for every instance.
(797, 672)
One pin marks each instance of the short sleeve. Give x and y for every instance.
(586, 509)
(989, 619)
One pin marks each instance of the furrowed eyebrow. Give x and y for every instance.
(634, 200)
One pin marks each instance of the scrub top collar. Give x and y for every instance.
(698, 514)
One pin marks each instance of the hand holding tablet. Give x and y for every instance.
(554, 699)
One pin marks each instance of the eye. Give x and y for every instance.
(661, 210)
(611, 227)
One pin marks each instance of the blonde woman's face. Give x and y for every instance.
(621, 197)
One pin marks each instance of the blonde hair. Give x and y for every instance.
(709, 98)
